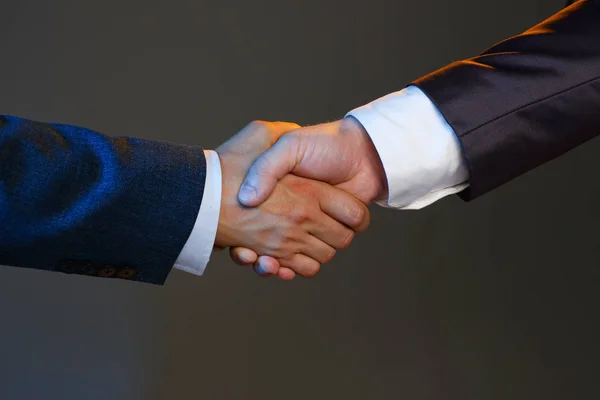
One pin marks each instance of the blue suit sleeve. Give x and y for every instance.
(76, 201)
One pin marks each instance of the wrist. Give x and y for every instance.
(371, 160)
(220, 237)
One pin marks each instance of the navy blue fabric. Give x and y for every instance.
(526, 100)
(76, 201)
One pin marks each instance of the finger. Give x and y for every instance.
(275, 129)
(302, 265)
(344, 208)
(331, 232)
(266, 266)
(286, 274)
(317, 249)
(268, 169)
(258, 136)
(243, 256)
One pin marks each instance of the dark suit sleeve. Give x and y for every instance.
(75, 201)
(526, 100)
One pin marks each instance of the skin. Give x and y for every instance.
(339, 153)
(300, 224)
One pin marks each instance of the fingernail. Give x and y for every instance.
(247, 193)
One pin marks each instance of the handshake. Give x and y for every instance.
(292, 196)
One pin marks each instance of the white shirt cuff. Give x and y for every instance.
(419, 150)
(199, 246)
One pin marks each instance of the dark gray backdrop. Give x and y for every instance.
(495, 299)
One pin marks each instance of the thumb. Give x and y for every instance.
(268, 169)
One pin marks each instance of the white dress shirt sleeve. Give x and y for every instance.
(420, 152)
(199, 246)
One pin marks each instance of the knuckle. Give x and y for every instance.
(280, 248)
(289, 137)
(300, 214)
(259, 124)
(289, 142)
(277, 253)
(291, 125)
(357, 214)
(284, 244)
(308, 189)
(365, 221)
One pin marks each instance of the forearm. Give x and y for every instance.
(526, 100)
(484, 121)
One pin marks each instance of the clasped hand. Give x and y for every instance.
(293, 196)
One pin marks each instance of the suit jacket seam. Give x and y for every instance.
(528, 105)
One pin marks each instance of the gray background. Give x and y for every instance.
(494, 299)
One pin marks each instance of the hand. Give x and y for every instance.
(301, 223)
(339, 153)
